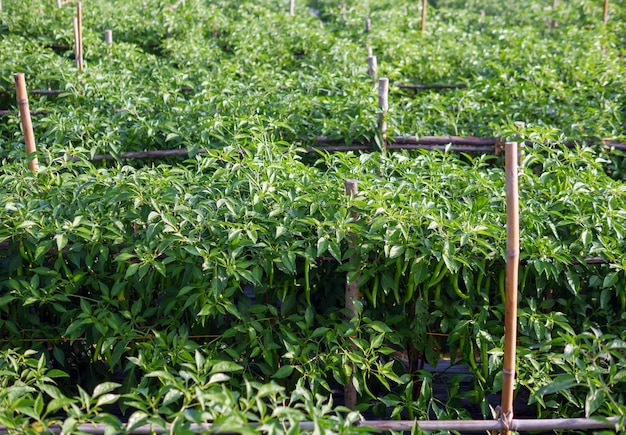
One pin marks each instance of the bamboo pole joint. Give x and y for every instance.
(27, 125)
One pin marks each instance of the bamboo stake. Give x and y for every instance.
(352, 295)
(76, 49)
(424, 4)
(372, 66)
(368, 25)
(605, 12)
(383, 105)
(352, 288)
(0, 5)
(79, 41)
(370, 52)
(27, 125)
(108, 36)
(292, 7)
(512, 272)
(555, 5)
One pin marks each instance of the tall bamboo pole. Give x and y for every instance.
(383, 105)
(27, 125)
(605, 12)
(79, 64)
(512, 272)
(292, 7)
(352, 295)
(555, 5)
(372, 66)
(79, 17)
(424, 4)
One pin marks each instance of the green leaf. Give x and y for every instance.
(135, 420)
(217, 378)
(610, 279)
(161, 374)
(172, 396)
(288, 261)
(283, 372)
(56, 404)
(56, 373)
(104, 387)
(594, 400)
(107, 399)
(39, 404)
(132, 270)
(396, 251)
(377, 341)
(322, 245)
(6, 299)
(225, 367)
(560, 383)
(61, 240)
(160, 267)
(572, 280)
(335, 250)
(605, 298)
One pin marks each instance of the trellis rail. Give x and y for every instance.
(400, 425)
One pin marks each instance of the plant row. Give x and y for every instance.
(246, 255)
(253, 70)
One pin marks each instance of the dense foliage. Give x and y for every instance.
(211, 288)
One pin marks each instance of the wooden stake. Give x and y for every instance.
(368, 25)
(79, 21)
(292, 7)
(76, 49)
(352, 294)
(424, 4)
(383, 105)
(372, 66)
(27, 125)
(108, 36)
(512, 273)
(605, 12)
(555, 5)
